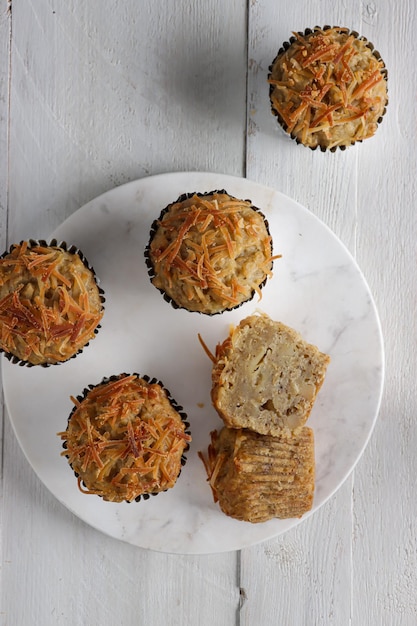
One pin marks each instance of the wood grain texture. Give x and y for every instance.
(5, 23)
(302, 577)
(385, 507)
(125, 90)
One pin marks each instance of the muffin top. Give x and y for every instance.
(125, 438)
(210, 252)
(50, 304)
(328, 88)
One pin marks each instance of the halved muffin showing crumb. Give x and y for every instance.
(266, 377)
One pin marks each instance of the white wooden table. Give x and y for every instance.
(94, 94)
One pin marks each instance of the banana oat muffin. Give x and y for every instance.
(266, 377)
(209, 252)
(50, 303)
(126, 439)
(328, 88)
(256, 477)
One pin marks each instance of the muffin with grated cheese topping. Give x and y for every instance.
(209, 252)
(50, 303)
(126, 438)
(328, 88)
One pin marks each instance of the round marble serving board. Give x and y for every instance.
(317, 288)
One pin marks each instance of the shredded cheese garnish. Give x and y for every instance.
(213, 463)
(125, 439)
(210, 355)
(317, 82)
(210, 252)
(50, 304)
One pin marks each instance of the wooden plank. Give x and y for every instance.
(124, 93)
(102, 93)
(303, 577)
(5, 24)
(385, 507)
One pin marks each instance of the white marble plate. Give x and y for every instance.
(317, 288)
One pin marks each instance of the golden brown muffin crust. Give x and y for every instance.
(328, 88)
(125, 439)
(210, 252)
(257, 477)
(50, 304)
